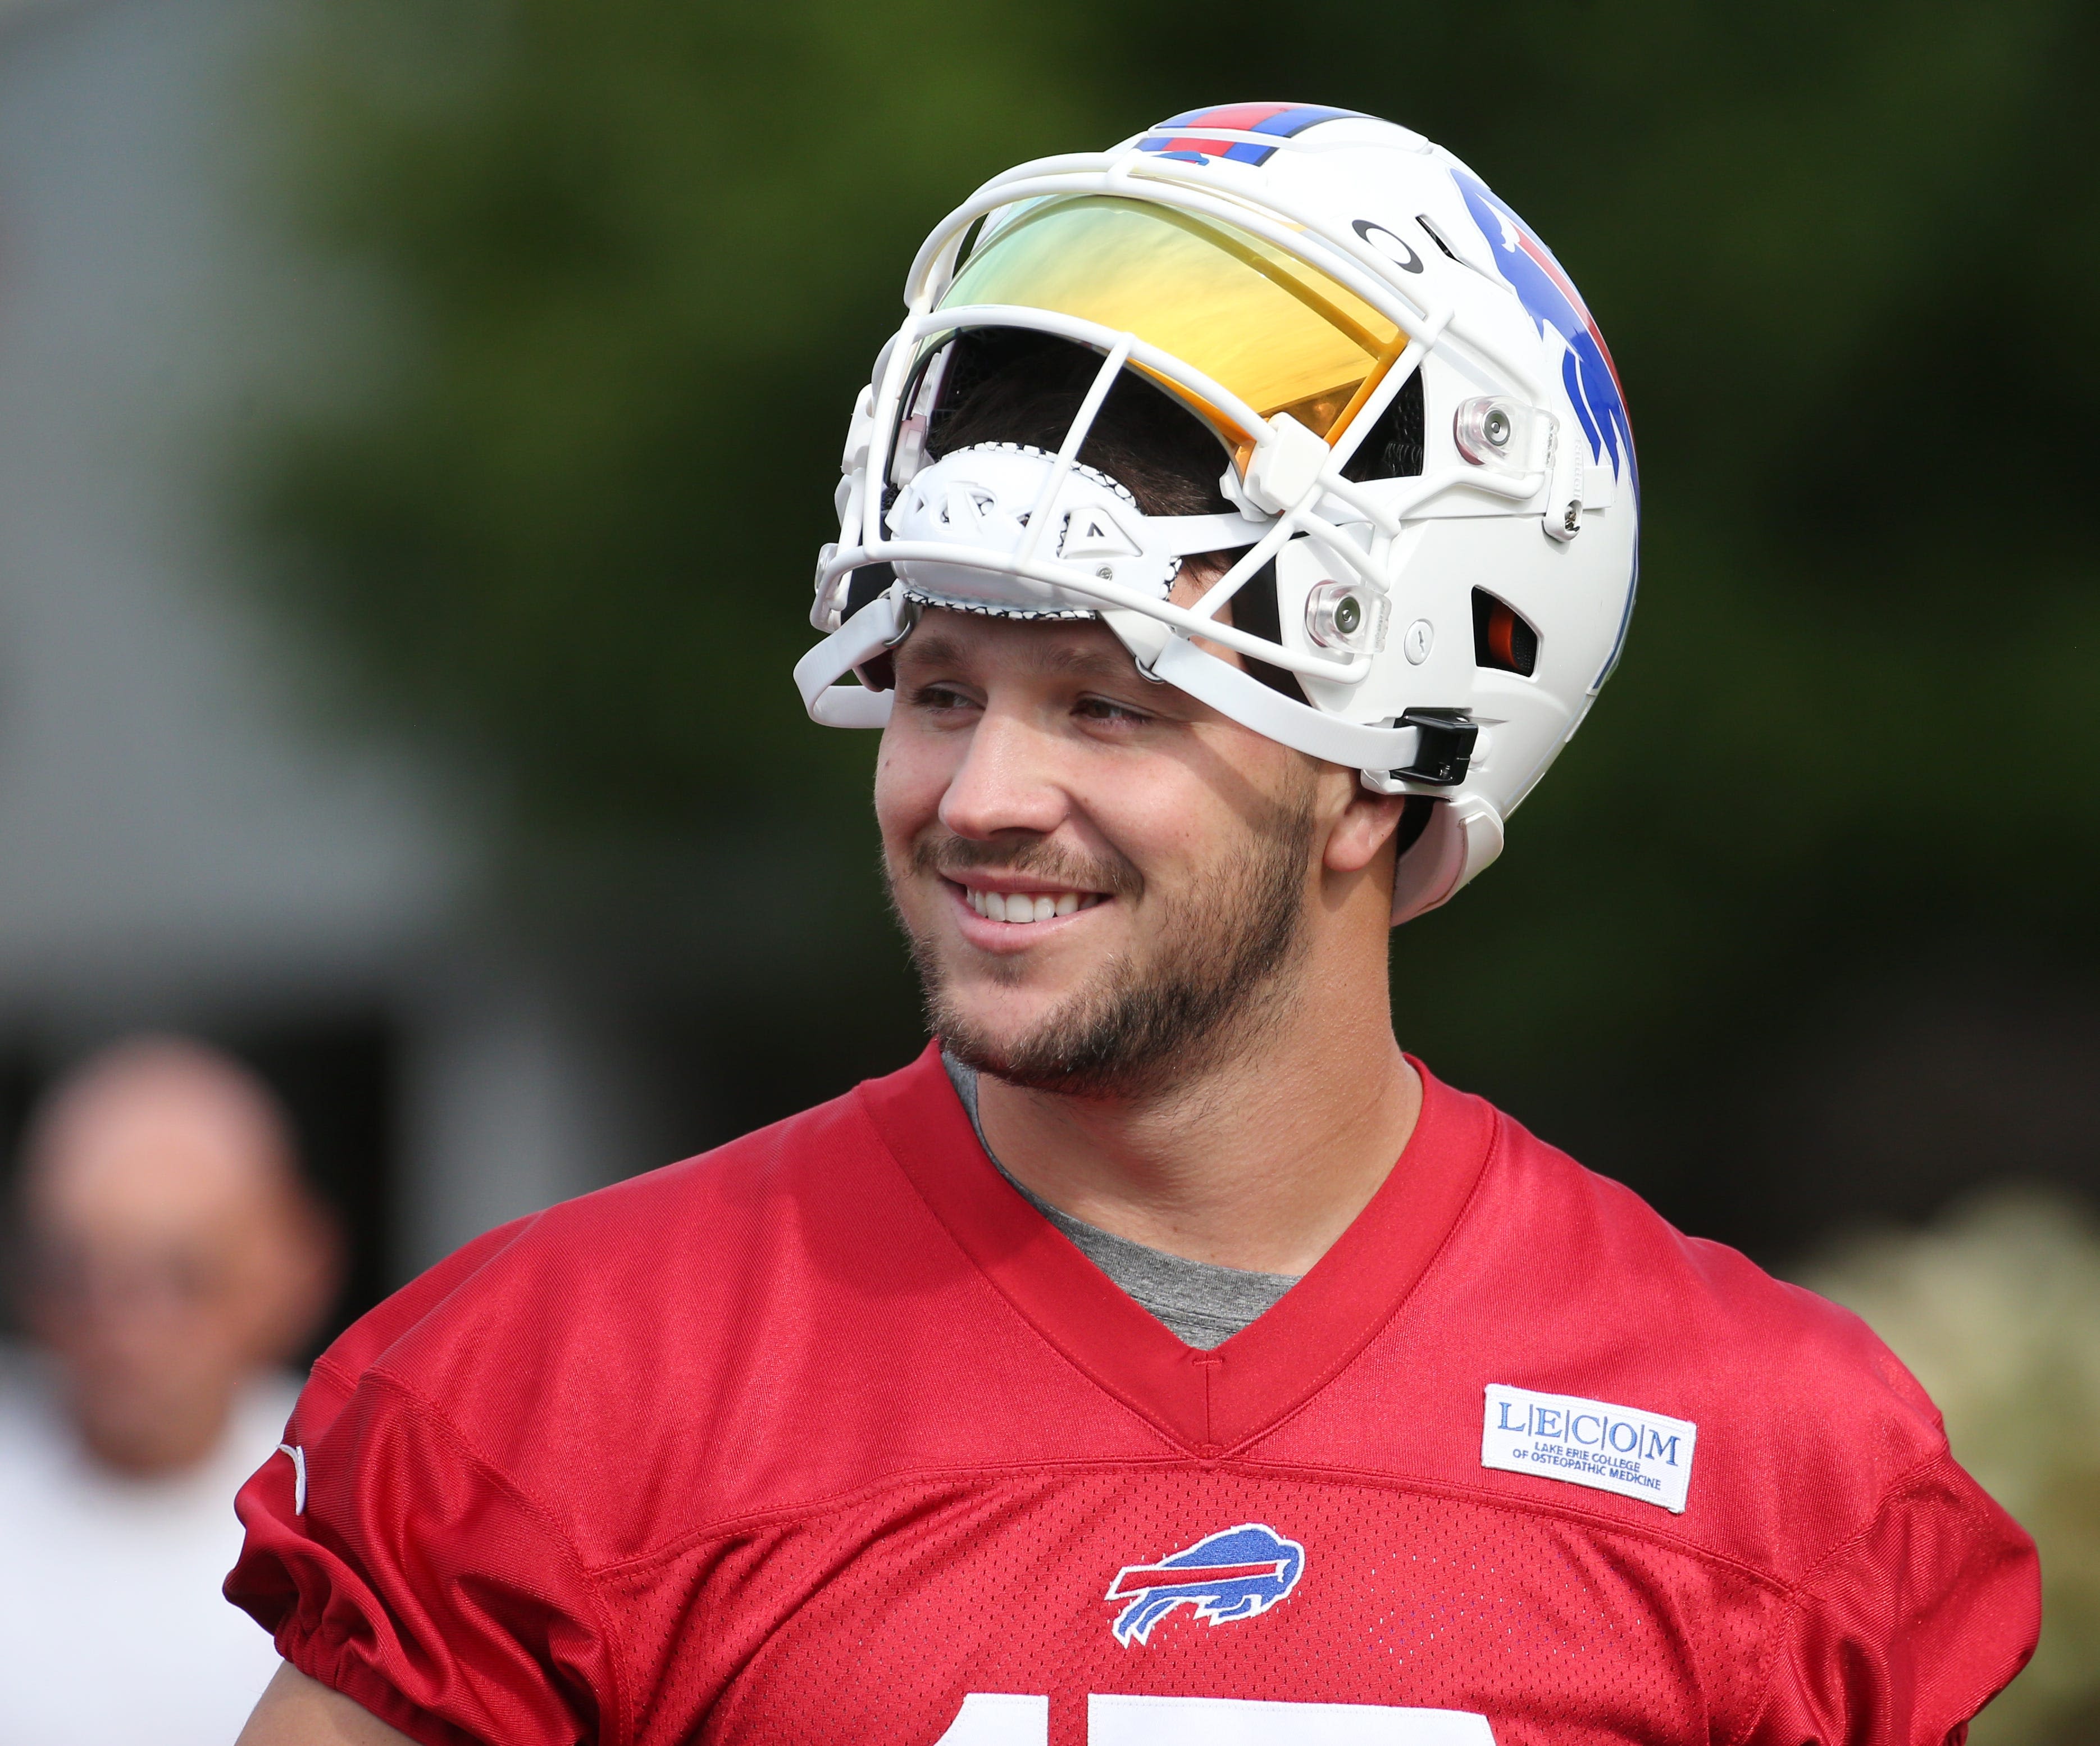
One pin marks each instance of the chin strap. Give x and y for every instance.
(883, 623)
(1231, 691)
(886, 621)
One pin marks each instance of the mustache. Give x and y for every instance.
(944, 854)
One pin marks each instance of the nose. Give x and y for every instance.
(1006, 782)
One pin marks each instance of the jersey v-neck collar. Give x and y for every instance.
(1210, 1402)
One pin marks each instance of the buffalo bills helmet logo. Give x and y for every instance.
(1549, 298)
(1238, 1573)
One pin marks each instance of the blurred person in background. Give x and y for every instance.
(172, 1262)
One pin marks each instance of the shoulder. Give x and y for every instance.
(1698, 1311)
(1699, 1307)
(574, 1276)
(1808, 1426)
(618, 1349)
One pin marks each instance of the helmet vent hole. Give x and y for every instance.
(1435, 235)
(1501, 638)
(1391, 449)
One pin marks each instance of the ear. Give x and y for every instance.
(307, 1262)
(1364, 830)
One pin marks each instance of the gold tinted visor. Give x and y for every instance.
(1279, 334)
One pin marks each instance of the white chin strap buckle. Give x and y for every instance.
(1285, 465)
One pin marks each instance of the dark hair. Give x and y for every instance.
(1008, 385)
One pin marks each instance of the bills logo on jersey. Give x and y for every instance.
(1280, 121)
(1549, 298)
(1238, 1573)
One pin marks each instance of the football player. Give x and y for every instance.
(1238, 525)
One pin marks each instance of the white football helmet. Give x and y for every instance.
(1421, 430)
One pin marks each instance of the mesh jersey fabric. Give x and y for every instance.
(816, 1436)
(1202, 1303)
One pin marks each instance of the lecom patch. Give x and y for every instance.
(1592, 1442)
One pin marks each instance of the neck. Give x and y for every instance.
(1260, 1161)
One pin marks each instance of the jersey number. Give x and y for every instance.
(1010, 1718)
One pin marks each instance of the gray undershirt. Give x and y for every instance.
(1202, 1304)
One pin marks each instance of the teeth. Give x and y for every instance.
(1022, 906)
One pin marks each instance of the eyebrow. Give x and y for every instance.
(1045, 654)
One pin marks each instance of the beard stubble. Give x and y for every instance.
(1210, 977)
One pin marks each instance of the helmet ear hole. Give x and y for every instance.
(1502, 638)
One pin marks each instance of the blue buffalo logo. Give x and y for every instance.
(1238, 1573)
(1551, 299)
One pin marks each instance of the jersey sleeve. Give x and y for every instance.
(1903, 1632)
(394, 1565)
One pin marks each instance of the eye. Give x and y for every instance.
(940, 698)
(1108, 709)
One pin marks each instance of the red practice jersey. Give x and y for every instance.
(828, 1437)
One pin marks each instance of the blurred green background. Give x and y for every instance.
(1798, 939)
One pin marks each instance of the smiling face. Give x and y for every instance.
(1103, 882)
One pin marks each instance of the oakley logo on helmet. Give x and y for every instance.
(1239, 1573)
(1394, 248)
